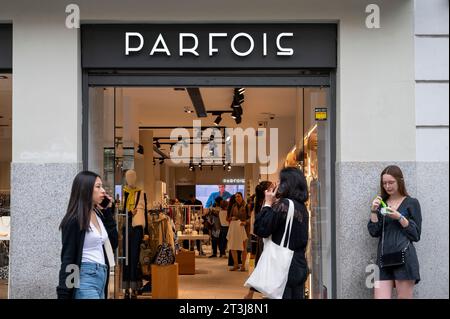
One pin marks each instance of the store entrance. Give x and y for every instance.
(173, 144)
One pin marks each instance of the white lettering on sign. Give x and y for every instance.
(159, 40)
(127, 42)
(233, 181)
(188, 50)
(246, 35)
(284, 51)
(185, 47)
(211, 36)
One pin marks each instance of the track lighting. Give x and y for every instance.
(229, 167)
(191, 167)
(140, 149)
(238, 119)
(200, 165)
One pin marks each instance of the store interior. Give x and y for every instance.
(154, 132)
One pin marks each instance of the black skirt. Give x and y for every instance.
(408, 271)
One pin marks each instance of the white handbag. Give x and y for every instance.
(271, 273)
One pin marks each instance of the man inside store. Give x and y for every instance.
(212, 198)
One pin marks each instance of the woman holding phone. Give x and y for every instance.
(396, 219)
(89, 236)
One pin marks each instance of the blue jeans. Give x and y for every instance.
(92, 281)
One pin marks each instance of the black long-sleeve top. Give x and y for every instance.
(272, 220)
(396, 237)
(72, 249)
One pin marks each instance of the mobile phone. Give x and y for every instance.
(383, 203)
(105, 202)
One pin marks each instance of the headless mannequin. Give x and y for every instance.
(133, 206)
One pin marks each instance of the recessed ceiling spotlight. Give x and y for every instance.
(218, 120)
(188, 110)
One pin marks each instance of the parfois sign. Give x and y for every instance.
(181, 46)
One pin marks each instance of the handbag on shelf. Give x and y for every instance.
(271, 273)
(393, 259)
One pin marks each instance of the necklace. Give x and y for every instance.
(396, 204)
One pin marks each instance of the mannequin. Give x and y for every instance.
(134, 207)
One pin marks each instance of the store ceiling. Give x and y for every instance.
(165, 106)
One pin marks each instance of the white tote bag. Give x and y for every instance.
(271, 273)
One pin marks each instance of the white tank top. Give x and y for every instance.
(93, 244)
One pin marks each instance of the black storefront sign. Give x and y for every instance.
(5, 46)
(209, 46)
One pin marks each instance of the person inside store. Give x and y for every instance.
(271, 221)
(222, 193)
(237, 232)
(134, 208)
(194, 201)
(89, 236)
(213, 224)
(231, 203)
(396, 220)
(224, 225)
(259, 201)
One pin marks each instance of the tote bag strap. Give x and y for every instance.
(289, 222)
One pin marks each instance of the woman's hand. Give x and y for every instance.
(391, 213)
(376, 204)
(270, 195)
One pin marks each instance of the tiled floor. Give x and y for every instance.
(213, 280)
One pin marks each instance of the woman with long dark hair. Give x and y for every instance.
(259, 202)
(89, 235)
(271, 221)
(398, 225)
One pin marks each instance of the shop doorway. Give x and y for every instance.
(126, 123)
(5, 178)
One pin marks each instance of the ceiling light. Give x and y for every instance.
(188, 110)
(218, 120)
(229, 167)
(200, 165)
(191, 167)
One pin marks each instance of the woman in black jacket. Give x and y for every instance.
(271, 220)
(89, 235)
(402, 223)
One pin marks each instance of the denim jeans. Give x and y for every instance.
(92, 281)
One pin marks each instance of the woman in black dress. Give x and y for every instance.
(402, 221)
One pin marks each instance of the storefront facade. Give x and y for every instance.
(373, 77)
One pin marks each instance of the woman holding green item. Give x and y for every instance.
(396, 219)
